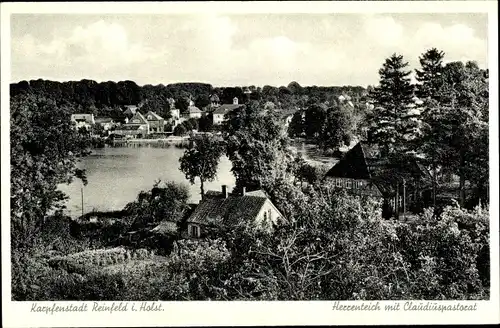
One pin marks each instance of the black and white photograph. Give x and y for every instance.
(249, 156)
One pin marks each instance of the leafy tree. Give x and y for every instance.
(465, 124)
(257, 147)
(391, 124)
(338, 128)
(202, 101)
(315, 118)
(295, 88)
(201, 161)
(44, 151)
(182, 104)
(180, 130)
(206, 123)
(297, 125)
(164, 202)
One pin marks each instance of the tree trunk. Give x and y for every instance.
(202, 188)
(434, 184)
(397, 201)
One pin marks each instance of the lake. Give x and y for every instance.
(116, 175)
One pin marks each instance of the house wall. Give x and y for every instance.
(268, 216)
(362, 186)
(156, 126)
(218, 118)
(194, 115)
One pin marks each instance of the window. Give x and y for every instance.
(349, 184)
(338, 183)
(265, 216)
(269, 214)
(195, 231)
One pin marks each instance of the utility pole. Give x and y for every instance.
(404, 199)
(82, 199)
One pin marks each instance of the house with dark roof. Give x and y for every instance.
(220, 113)
(130, 110)
(155, 121)
(217, 209)
(85, 121)
(402, 182)
(105, 122)
(137, 127)
(214, 101)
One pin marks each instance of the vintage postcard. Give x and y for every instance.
(249, 163)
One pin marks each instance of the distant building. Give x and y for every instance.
(137, 127)
(214, 101)
(194, 112)
(155, 121)
(219, 114)
(401, 183)
(106, 122)
(218, 209)
(83, 120)
(130, 110)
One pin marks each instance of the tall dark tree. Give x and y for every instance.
(430, 74)
(390, 122)
(430, 78)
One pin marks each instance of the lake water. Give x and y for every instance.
(116, 175)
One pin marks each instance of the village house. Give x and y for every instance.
(105, 122)
(130, 110)
(85, 121)
(402, 184)
(193, 112)
(217, 209)
(214, 101)
(220, 113)
(156, 122)
(137, 127)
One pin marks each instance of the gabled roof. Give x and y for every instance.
(138, 116)
(223, 109)
(384, 172)
(353, 165)
(155, 116)
(131, 110)
(104, 120)
(194, 110)
(214, 98)
(215, 209)
(89, 118)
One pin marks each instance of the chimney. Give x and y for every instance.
(235, 101)
(243, 191)
(224, 191)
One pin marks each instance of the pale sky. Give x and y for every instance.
(235, 50)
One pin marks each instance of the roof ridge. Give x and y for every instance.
(364, 159)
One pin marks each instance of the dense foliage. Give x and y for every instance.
(332, 246)
(202, 160)
(45, 147)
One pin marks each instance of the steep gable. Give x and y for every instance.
(353, 165)
(138, 118)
